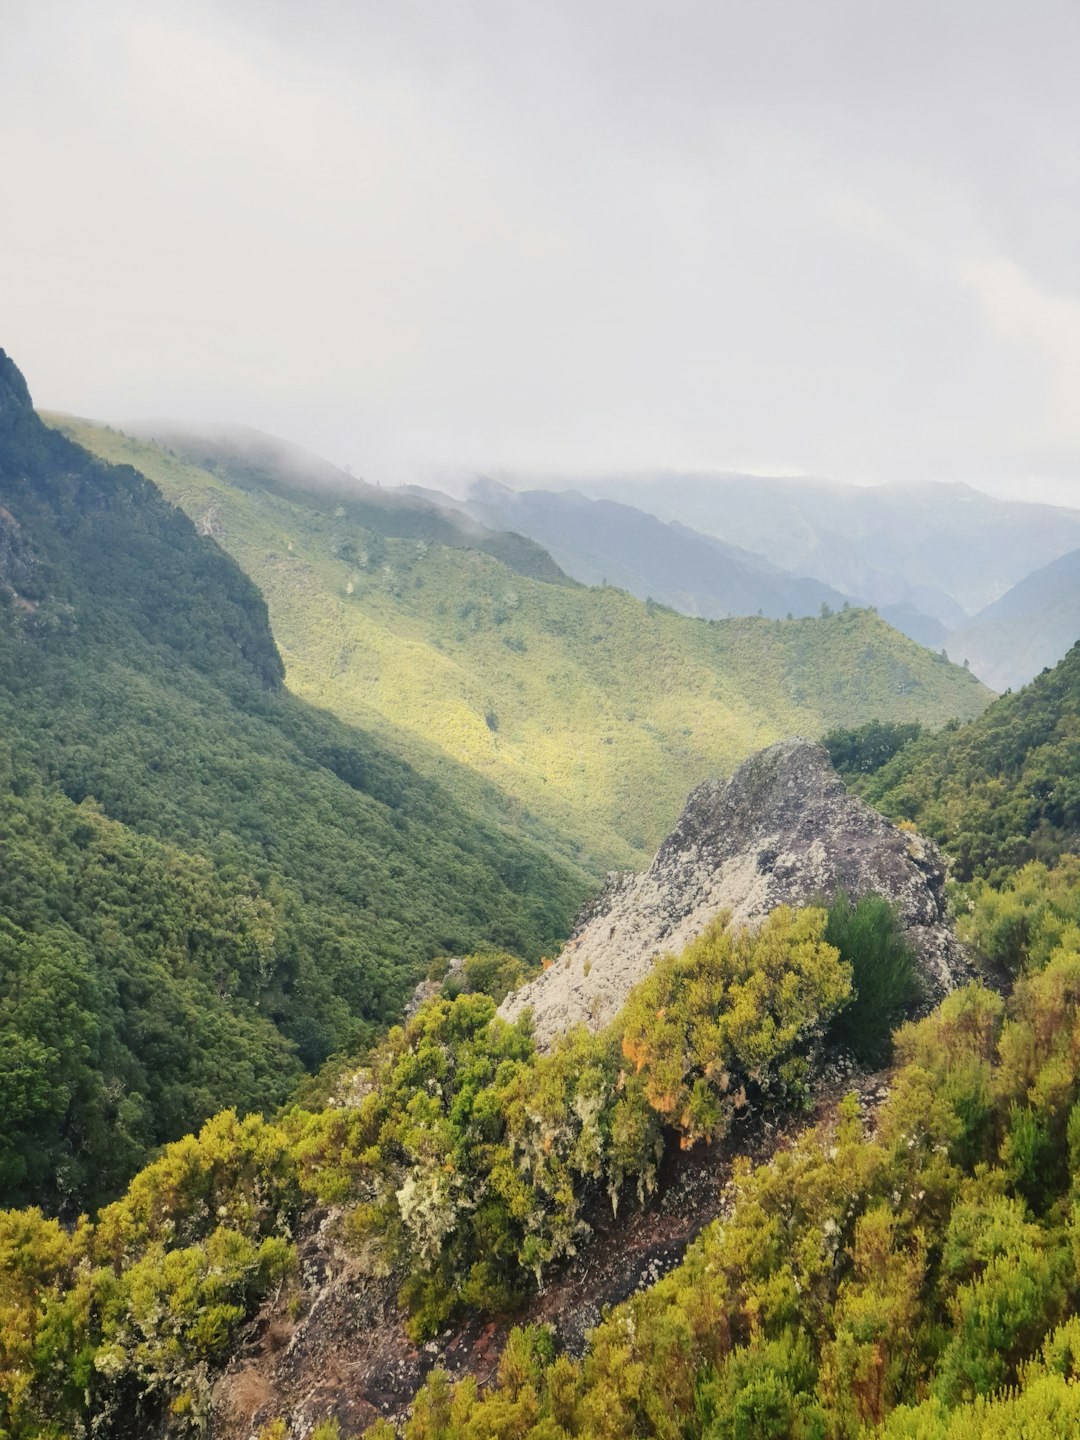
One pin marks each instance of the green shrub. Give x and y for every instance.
(885, 986)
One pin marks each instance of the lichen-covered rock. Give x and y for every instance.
(783, 830)
(428, 989)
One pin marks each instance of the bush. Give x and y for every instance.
(885, 987)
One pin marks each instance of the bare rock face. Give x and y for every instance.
(784, 830)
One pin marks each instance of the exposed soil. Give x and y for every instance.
(347, 1354)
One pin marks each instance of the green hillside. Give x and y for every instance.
(204, 882)
(1004, 789)
(595, 711)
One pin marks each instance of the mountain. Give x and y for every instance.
(946, 550)
(1001, 790)
(1030, 628)
(604, 542)
(205, 883)
(595, 712)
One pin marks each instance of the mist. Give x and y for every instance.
(834, 239)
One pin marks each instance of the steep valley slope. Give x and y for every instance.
(595, 712)
(205, 882)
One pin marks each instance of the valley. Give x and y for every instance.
(277, 745)
(595, 712)
(539, 721)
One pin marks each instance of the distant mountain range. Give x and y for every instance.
(948, 550)
(925, 556)
(606, 542)
(1030, 628)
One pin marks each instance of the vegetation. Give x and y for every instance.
(595, 712)
(920, 1283)
(464, 1158)
(204, 883)
(866, 748)
(1002, 790)
(133, 980)
(123, 1319)
(885, 986)
(475, 1159)
(1016, 928)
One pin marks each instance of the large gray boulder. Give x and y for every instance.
(784, 830)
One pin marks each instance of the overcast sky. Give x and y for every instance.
(833, 238)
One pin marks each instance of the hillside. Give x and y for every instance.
(947, 550)
(1002, 790)
(204, 881)
(604, 542)
(704, 1220)
(596, 712)
(1030, 628)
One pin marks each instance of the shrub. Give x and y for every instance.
(868, 935)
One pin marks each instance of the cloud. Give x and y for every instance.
(832, 237)
(1048, 325)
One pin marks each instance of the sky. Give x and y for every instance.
(561, 237)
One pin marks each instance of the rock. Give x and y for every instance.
(783, 830)
(428, 989)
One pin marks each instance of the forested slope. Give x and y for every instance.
(597, 712)
(910, 1274)
(267, 883)
(1002, 790)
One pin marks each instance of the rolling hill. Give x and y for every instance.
(596, 712)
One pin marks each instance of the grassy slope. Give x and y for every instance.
(597, 712)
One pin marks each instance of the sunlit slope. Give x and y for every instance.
(596, 711)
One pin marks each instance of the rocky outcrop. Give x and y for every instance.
(428, 989)
(18, 563)
(783, 830)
